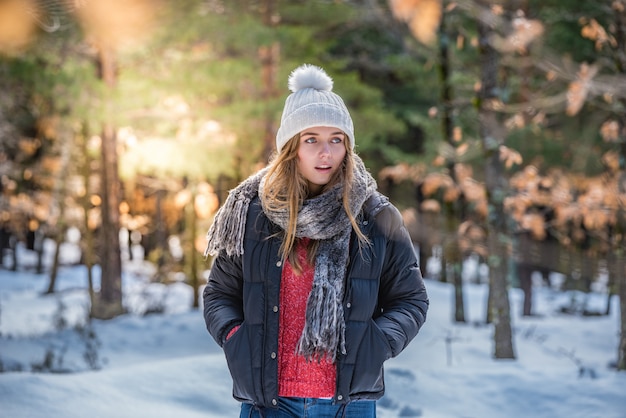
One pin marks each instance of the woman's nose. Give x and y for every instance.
(325, 148)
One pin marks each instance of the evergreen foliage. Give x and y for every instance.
(194, 106)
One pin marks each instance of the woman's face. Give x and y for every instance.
(320, 155)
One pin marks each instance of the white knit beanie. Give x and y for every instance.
(312, 103)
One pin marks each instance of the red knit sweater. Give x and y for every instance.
(296, 376)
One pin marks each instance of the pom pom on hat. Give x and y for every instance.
(309, 77)
(312, 103)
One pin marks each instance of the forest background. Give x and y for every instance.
(497, 127)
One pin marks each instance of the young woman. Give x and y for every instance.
(315, 281)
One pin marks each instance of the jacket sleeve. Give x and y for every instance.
(223, 295)
(402, 298)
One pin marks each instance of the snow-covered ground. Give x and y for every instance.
(166, 365)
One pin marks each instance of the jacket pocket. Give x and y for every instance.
(384, 342)
(237, 350)
(372, 353)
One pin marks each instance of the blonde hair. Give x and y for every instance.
(282, 193)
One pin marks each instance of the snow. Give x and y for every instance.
(166, 364)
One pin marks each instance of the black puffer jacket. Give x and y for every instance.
(385, 305)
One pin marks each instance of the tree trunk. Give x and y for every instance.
(14, 244)
(459, 303)
(621, 266)
(524, 275)
(87, 238)
(269, 56)
(55, 262)
(620, 256)
(453, 210)
(109, 301)
(620, 62)
(191, 225)
(621, 288)
(40, 238)
(160, 234)
(498, 241)
(59, 196)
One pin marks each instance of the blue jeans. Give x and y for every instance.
(311, 408)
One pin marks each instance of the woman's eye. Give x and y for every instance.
(309, 140)
(337, 140)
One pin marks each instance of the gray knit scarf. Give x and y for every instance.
(320, 218)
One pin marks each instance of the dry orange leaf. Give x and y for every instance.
(451, 194)
(422, 16)
(524, 32)
(473, 190)
(17, 24)
(462, 172)
(457, 136)
(434, 181)
(578, 89)
(439, 161)
(510, 156)
(611, 161)
(534, 223)
(610, 131)
(114, 23)
(430, 205)
(594, 31)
